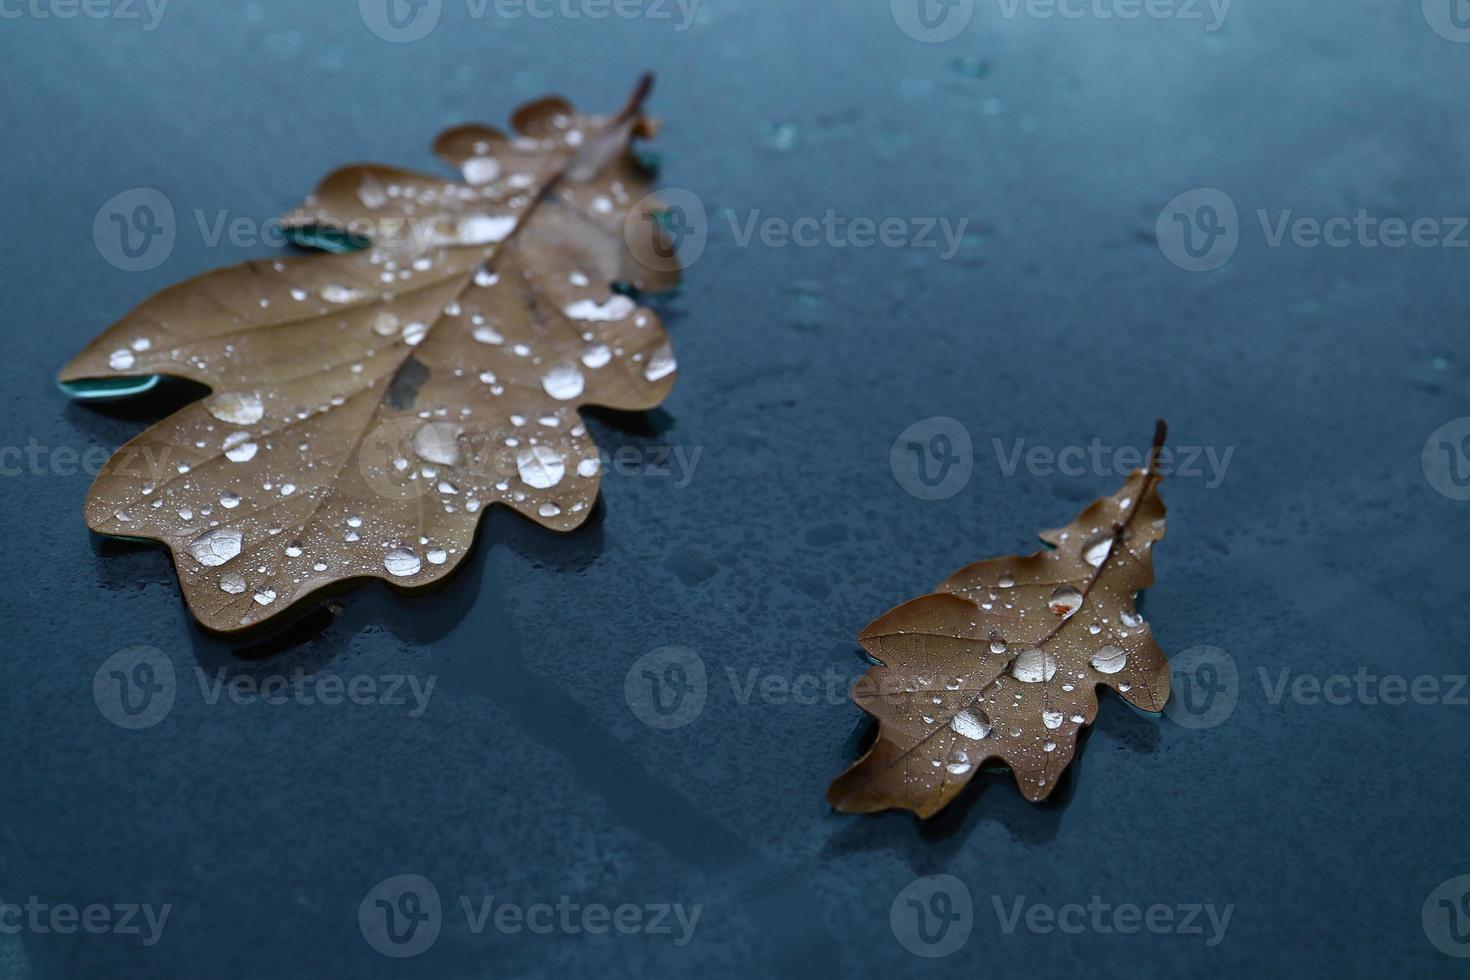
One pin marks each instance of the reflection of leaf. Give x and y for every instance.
(1002, 662)
(369, 405)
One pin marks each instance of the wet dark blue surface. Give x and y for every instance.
(528, 776)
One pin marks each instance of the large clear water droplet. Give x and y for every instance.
(971, 723)
(236, 407)
(402, 563)
(1096, 551)
(1033, 667)
(1065, 601)
(437, 442)
(563, 382)
(1109, 660)
(540, 466)
(216, 547)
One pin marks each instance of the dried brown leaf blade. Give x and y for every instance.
(1002, 662)
(367, 407)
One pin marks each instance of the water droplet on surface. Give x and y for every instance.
(589, 467)
(233, 583)
(482, 229)
(241, 453)
(229, 500)
(661, 364)
(617, 307)
(293, 550)
(480, 170)
(998, 646)
(1065, 601)
(1109, 660)
(597, 356)
(402, 563)
(1096, 551)
(548, 510)
(338, 293)
(437, 442)
(121, 360)
(1006, 581)
(1051, 719)
(437, 556)
(971, 723)
(236, 407)
(563, 382)
(385, 324)
(265, 596)
(1130, 619)
(1033, 667)
(540, 466)
(959, 762)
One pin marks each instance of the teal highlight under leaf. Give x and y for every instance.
(101, 389)
(327, 239)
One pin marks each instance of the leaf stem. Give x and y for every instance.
(634, 105)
